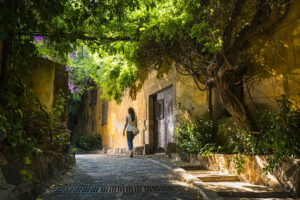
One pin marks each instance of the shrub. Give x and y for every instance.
(279, 135)
(195, 137)
(90, 142)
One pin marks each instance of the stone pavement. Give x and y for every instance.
(94, 170)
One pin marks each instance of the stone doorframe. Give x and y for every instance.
(149, 123)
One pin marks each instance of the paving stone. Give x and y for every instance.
(123, 171)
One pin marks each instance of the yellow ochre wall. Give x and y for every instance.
(279, 55)
(48, 79)
(41, 81)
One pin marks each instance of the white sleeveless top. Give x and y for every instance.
(130, 122)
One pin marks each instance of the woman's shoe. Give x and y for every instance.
(131, 154)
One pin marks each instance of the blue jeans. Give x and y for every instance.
(130, 137)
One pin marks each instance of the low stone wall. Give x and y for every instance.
(287, 177)
(44, 167)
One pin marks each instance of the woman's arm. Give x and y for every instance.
(125, 126)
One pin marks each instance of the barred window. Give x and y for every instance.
(104, 113)
(159, 109)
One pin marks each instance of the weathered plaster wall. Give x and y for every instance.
(278, 55)
(41, 81)
(190, 101)
(46, 79)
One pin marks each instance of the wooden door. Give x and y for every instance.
(164, 119)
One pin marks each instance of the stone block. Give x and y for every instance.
(172, 148)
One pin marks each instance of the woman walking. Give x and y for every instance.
(131, 121)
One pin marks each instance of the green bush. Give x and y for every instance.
(196, 137)
(90, 142)
(279, 135)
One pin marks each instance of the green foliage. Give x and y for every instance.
(196, 137)
(74, 149)
(279, 136)
(114, 75)
(239, 162)
(90, 142)
(12, 119)
(60, 135)
(26, 176)
(27, 160)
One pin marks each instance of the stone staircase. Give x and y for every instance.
(224, 186)
(230, 187)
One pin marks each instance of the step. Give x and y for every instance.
(217, 177)
(212, 176)
(190, 168)
(229, 189)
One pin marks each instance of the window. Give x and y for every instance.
(104, 113)
(159, 109)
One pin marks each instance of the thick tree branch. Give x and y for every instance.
(227, 34)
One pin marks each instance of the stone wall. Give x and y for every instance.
(286, 177)
(44, 167)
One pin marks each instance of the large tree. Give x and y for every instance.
(208, 40)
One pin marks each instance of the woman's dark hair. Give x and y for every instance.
(132, 113)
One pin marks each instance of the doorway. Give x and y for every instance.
(163, 123)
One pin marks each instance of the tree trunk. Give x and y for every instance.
(230, 100)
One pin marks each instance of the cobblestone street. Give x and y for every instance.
(102, 171)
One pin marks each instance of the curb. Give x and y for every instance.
(190, 179)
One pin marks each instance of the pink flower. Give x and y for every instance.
(40, 38)
(71, 86)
